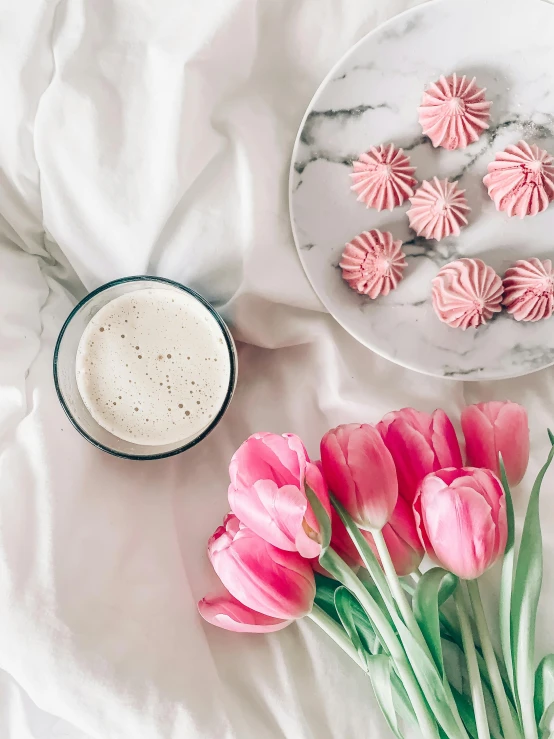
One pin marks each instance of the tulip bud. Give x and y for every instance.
(360, 471)
(461, 519)
(419, 443)
(493, 428)
(266, 579)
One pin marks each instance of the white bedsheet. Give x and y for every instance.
(155, 137)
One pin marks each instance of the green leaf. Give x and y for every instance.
(430, 681)
(525, 600)
(380, 676)
(372, 589)
(325, 599)
(435, 583)
(377, 666)
(506, 582)
(450, 633)
(465, 709)
(545, 728)
(544, 687)
(322, 517)
(344, 604)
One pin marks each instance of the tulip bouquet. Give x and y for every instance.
(341, 541)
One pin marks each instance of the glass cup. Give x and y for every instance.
(65, 378)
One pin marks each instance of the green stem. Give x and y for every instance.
(417, 575)
(506, 584)
(409, 619)
(451, 633)
(472, 668)
(337, 634)
(504, 713)
(338, 568)
(395, 586)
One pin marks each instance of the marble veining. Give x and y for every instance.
(371, 97)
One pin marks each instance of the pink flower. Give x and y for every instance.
(229, 613)
(360, 472)
(419, 443)
(497, 426)
(267, 491)
(461, 519)
(260, 576)
(402, 539)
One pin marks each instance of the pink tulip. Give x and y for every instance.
(402, 539)
(419, 443)
(461, 519)
(266, 579)
(497, 426)
(229, 613)
(269, 474)
(360, 472)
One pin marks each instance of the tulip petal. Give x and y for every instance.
(256, 459)
(374, 476)
(268, 580)
(445, 441)
(402, 540)
(497, 427)
(259, 508)
(512, 439)
(335, 468)
(479, 437)
(420, 443)
(291, 453)
(229, 613)
(413, 456)
(459, 523)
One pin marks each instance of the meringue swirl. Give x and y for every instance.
(454, 112)
(438, 209)
(466, 293)
(529, 289)
(373, 263)
(383, 178)
(520, 181)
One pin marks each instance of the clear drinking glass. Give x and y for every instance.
(65, 378)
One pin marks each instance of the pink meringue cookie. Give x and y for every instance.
(373, 263)
(520, 181)
(383, 178)
(529, 289)
(466, 293)
(454, 112)
(438, 209)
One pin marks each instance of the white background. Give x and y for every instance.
(140, 136)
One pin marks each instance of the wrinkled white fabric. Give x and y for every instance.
(141, 137)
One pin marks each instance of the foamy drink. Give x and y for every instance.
(153, 367)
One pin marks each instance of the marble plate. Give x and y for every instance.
(371, 97)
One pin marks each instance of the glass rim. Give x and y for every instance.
(232, 365)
